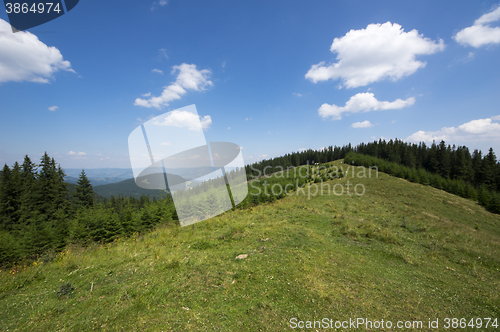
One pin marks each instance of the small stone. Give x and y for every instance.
(243, 256)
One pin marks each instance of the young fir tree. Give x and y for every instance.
(5, 197)
(28, 202)
(83, 191)
(15, 184)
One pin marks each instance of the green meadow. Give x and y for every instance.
(401, 252)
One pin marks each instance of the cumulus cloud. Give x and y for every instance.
(362, 102)
(364, 124)
(53, 108)
(474, 131)
(188, 78)
(23, 57)
(481, 33)
(157, 71)
(297, 94)
(185, 119)
(381, 51)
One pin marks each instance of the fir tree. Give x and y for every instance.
(28, 195)
(5, 197)
(51, 189)
(83, 191)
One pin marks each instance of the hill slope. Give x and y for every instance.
(129, 187)
(400, 252)
(126, 188)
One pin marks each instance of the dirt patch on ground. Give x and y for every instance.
(430, 215)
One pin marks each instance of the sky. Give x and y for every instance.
(273, 77)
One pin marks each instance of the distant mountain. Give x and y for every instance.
(94, 181)
(122, 173)
(99, 176)
(105, 176)
(129, 187)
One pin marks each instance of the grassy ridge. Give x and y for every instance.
(402, 251)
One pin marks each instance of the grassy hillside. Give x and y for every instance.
(400, 252)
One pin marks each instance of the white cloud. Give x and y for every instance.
(228, 128)
(468, 58)
(297, 94)
(364, 124)
(160, 2)
(378, 52)
(224, 64)
(481, 33)
(166, 143)
(188, 78)
(73, 153)
(362, 102)
(473, 131)
(23, 57)
(157, 71)
(302, 149)
(248, 119)
(53, 108)
(186, 119)
(147, 94)
(162, 54)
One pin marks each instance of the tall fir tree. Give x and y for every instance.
(84, 192)
(28, 189)
(51, 188)
(5, 197)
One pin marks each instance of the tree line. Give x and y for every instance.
(41, 214)
(450, 162)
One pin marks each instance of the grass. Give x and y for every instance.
(402, 251)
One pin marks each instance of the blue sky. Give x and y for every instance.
(271, 76)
